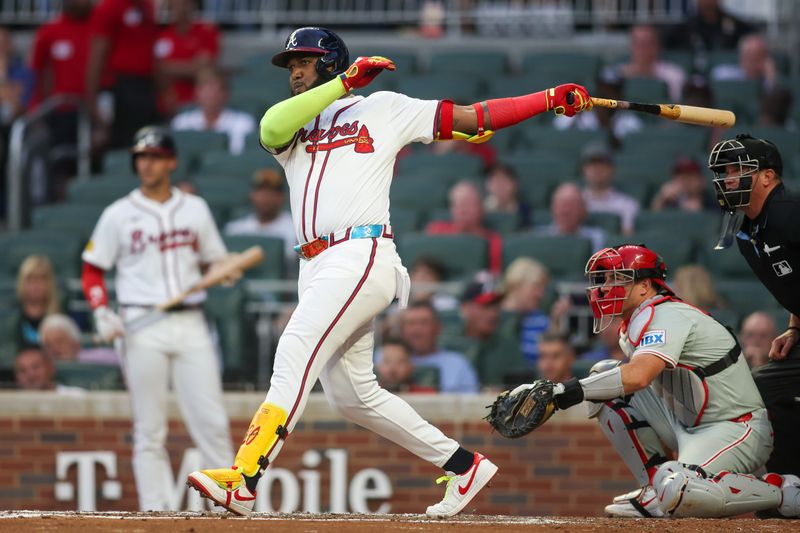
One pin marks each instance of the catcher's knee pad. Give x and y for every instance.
(268, 425)
(690, 491)
(593, 408)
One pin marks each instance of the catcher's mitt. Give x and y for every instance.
(515, 414)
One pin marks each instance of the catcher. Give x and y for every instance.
(685, 384)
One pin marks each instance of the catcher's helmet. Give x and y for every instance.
(611, 269)
(152, 140)
(319, 41)
(748, 155)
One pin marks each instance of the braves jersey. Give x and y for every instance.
(685, 338)
(339, 166)
(157, 248)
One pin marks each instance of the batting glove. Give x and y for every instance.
(568, 99)
(108, 324)
(363, 71)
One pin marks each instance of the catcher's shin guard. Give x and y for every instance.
(633, 438)
(689, 491)
(268, 425)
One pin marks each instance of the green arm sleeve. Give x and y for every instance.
(281, 121)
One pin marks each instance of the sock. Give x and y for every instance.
(460, 461)
(252, 481)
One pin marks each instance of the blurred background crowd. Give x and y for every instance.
(495, 235)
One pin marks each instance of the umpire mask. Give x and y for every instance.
(734, 162)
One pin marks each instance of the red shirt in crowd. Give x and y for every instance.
(130, 26)
(62, 46)
(494, 240)
(202, 39)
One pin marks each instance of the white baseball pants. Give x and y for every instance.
(176, 349)
(330, 337)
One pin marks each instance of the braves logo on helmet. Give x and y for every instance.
(152, 140)
(334, 55)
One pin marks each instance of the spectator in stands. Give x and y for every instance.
(775, 107)
(211, 93)
(424, 274)
(183, 49)
(466, 217)
(420, 328)
(693, 284)
(496, 356)
(606, 345)
(599, 193)
(394, 369)
(16, 80)
(61, 341)
(617, 123)
(686, 191)
(123, 35)
(37, 297)
(269, 218)
(755, 64)
(758, 330)
(556, 357)
(502, 194)
(645, 62)
(568, 210)
(34, 371)
(710, 28)
(524, 285)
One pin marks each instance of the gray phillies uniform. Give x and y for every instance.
(717, 422)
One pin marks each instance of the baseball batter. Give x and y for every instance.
(685, 385)
(159, 239)
(338, 151)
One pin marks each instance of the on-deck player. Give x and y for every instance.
(338, 151)
(159, 239)
(685, 384)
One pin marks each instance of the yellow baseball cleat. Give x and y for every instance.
(225, 487)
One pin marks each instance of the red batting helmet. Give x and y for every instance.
(611, 269)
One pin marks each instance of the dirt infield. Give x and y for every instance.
(65, 522)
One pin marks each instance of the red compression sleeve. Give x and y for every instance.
(94, 286)
(505, 112)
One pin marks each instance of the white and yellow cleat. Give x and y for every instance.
(640, 503)
(225, 487)
(461, 489)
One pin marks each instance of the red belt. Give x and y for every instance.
(313, 248)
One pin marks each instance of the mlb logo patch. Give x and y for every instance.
(654, 338)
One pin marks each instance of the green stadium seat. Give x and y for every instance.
(99, 192)
(117, 165)
(728, 264)
(502, 222)
(426, 376)
(566, 144)
(555, 68)
(460, 255)
(609, 222)
(462, 90)
(451, 167)
(722, 57)
(564, 256)
(674, 247)
(62, 248)
(648, 90)
(581, 368)
(9, 318)
(421, 194)
(672, 140)
(274, 264)
(536, 190)
(406, 62)
(219, 191)
(88, 376)
(741, 97)
(486, 64)
(193, 144)
(404, 221)
(77, 219)
(236, 166)
(745, 296)
(225, 309)
(641, 191)
(697, 226)
(549, 166)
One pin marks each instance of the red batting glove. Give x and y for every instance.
(568, 99)
(363, 71)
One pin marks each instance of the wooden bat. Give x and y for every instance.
(216, 275)
(699, 116)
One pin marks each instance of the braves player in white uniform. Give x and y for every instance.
(685, 385)
(338, 151)
(159, 239)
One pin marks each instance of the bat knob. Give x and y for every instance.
(570, 98)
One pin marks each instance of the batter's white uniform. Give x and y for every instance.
(157, 249)
(718, 423)
(339, 168)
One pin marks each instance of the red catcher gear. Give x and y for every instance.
(610, 271)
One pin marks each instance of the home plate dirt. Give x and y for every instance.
(64, 522)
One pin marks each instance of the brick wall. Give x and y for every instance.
(565, 468)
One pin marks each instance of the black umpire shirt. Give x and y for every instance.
(771, 246)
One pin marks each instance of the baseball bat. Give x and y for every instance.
(699, 116)
(242, 261)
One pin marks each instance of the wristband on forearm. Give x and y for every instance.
(602, 386)
(281, 121)
(795, 328)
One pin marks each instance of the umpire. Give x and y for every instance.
(747, 177)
